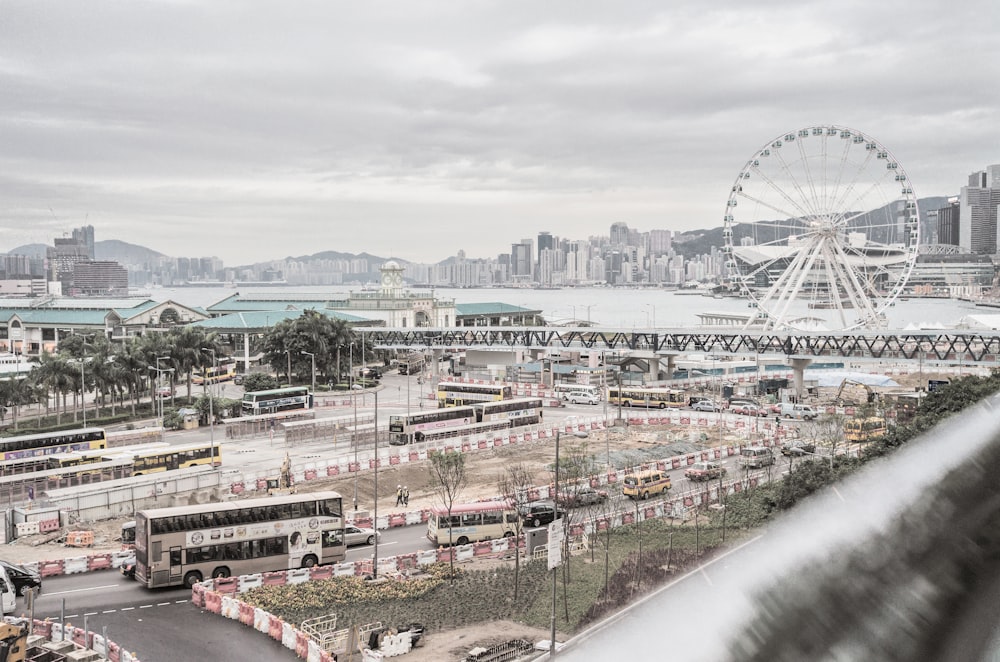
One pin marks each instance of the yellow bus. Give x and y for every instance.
(169, 458)
(223, 371)
(630, 396)
(646, 483)
(859, 430)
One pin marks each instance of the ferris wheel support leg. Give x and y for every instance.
(798, 375)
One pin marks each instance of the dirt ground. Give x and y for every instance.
(624, 445)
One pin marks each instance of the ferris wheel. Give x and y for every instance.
(821, 230)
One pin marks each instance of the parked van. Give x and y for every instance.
(645, 483)
(755, 457)
(799, 412)
(7, 596)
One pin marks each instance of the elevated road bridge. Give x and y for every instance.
(962, 347)
(947, 346)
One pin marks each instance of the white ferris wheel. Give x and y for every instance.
(821, 231)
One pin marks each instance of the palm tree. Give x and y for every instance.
(14, 392)
(57, 375)
(130, 362)
(186, 353)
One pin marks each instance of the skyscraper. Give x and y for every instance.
(978, 204)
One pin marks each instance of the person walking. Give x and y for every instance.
(399, 495)
(406, 495)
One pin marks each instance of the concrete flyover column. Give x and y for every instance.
(798, 375)
(653, 373)
(671, 364)
(435, 365)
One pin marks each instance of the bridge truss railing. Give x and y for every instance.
(963, 346)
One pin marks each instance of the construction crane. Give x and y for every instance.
(871, 396)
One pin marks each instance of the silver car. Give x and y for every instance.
(706, 405)
(582, 397)
(355, 535)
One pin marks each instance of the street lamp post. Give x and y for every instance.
(159, 376)
(211, 405)
(312, 358)
(83, 388)
(562, 521)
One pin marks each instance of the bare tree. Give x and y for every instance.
(827, 432)
(448, 479)
(513, 485)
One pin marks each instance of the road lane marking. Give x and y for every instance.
(79, 590)
(109, 611)
(127, 608)
(162, 604)
(145, 606)
(91, 613)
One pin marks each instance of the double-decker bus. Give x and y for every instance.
(274, 400)
(224, 370)
(454, 394)
(49, 443)
(471, 522)
(516, 412)
(186, 544)
(859, 430)
(629, 396)
(411, 364)
(430, 424)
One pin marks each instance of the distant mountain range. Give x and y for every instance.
(110, 249)
(688, 244)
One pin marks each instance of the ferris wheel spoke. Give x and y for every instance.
(786, 289)
(773, 207)
(804, 198)
(803, 210)
(800, 275)
(860, 293)
(807, 169)
(833, 199)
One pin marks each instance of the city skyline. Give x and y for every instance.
(253, 132)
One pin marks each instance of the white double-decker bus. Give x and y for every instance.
(186, 544)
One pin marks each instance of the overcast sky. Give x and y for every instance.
(253, 130)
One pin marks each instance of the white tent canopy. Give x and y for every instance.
(827, 378)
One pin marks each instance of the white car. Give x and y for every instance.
(582, 398)
(355, 535)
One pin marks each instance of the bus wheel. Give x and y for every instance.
(220, 573)
(663, 405)
(508, 534)
(462, 541)
(645, 495)
(308, 561)
(192, 578)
